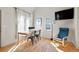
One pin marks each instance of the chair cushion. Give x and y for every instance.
(63, 32)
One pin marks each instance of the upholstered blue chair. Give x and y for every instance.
(62, 35)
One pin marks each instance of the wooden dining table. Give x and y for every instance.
(26, 34)
(23, 33)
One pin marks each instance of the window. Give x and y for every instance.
(48, 24)
(23, 21)
(38, 23)
(27, 23)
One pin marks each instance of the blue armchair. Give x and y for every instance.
(62, 35)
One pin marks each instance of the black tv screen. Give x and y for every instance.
(64, 14)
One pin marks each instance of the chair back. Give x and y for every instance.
(63, 32)
(31, 27)
(38, 32)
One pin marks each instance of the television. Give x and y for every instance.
(64, 14)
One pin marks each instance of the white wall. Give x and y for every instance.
(8, 25)
(76, 22)
(49, 12)
(65, 24)
(44, 13)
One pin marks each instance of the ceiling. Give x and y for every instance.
(28, 9)
(33, 9)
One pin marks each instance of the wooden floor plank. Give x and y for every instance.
(42, 45)
(6, 48)
(69, 47)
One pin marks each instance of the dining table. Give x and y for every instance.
(23, 33)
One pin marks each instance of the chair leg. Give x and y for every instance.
(35, 40)
(32, 41)
(63, 43)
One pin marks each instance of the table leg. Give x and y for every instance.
(18, 38)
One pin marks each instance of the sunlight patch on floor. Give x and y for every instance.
(16, 46)
(56, 45)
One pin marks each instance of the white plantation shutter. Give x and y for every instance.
(23, 21)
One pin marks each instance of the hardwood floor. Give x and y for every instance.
(69, 47)
(42, 45)
(5, 49)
